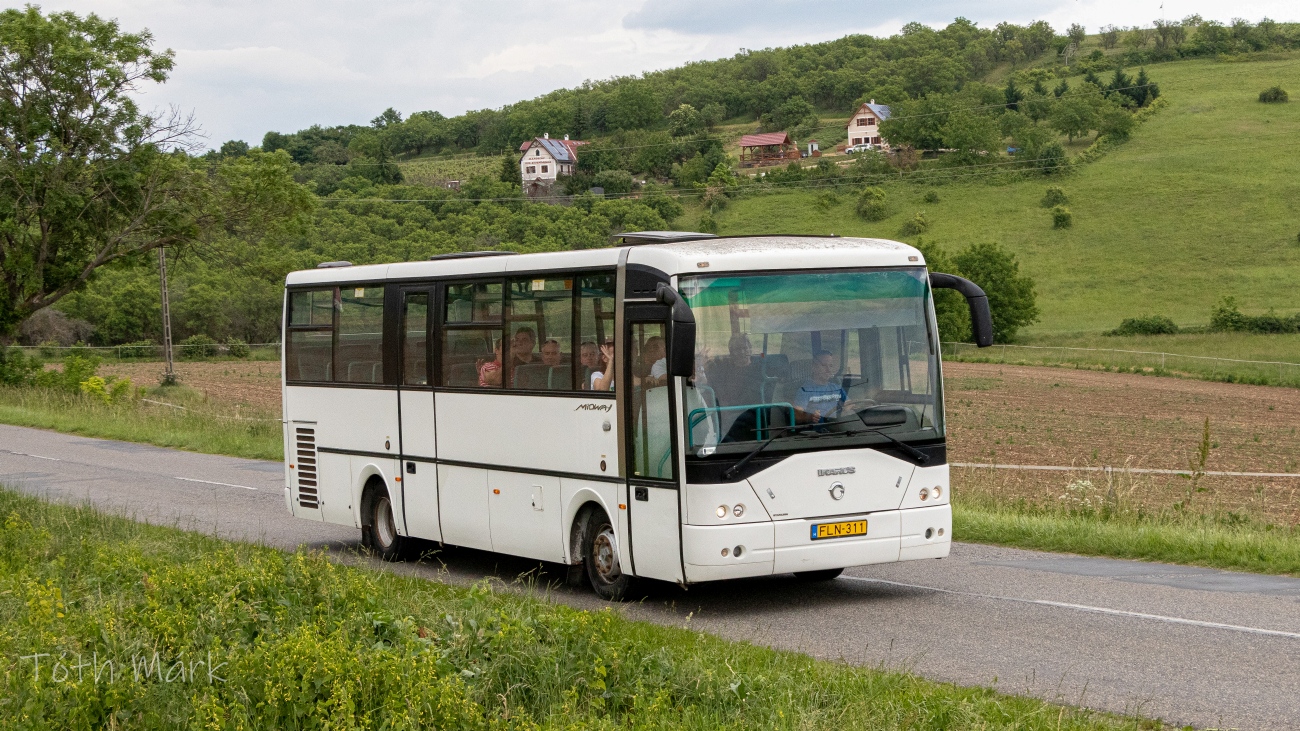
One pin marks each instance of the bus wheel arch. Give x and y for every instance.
(378, 523)
(599, 549)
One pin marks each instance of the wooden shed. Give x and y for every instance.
(767, 147)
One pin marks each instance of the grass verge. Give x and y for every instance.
(1196, 541)
(170, 417)
(298, 641)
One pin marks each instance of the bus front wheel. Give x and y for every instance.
(600, 556)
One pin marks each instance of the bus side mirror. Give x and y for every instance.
(981, 320)
(681, 332)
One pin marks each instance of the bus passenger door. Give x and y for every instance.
(653, 498)
(419, 470)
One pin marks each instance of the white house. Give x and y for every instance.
(544, 159)
(864, 127)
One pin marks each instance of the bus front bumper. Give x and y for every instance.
(786, 546)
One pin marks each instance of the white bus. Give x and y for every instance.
(774, 405)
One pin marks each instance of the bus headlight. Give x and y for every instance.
(738, 511)
(937, 492)
(925, 494)
(722, 511)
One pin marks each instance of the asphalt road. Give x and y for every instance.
(1210, 648)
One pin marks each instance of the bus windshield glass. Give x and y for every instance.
(802, 357)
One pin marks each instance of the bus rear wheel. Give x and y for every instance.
(380, 534)
(822, 575)
(600, 556)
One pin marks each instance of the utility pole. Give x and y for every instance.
(169, 376)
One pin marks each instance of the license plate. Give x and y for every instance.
(821, 531)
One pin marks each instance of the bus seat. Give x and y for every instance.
(365, 371)
(461, 375)
(541, 377)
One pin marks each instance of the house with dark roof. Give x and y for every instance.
(544, 159)
(864, 127)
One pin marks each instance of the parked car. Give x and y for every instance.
(859, 148)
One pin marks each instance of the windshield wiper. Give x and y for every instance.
(780, 430)
(909, 450)
(916, 454)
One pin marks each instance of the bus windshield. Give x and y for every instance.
(799, 357)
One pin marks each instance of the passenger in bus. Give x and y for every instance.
(551, 355)
(655, 362)
(818, 399)
(522, 345)
(589, 359)
(489, 372)
(603, 380)
(736, 379)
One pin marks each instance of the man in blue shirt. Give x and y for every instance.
(818, 399)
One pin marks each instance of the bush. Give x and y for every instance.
(827, 200)
(1062, 218)
(1012, 299)
(1050, 158)
(931, 197)
(16, 367)
(914, 226)
(708, 225)
(871, 204)
(198, 346)
(1227, 317)
(615, 182)
(1146, 325)
(76, 369)
(1274, 95)
(237, 348)
(1054, 197)
(107, 391)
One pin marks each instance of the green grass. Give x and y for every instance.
(1201, 203)
(1198, 541)
(200, 426)
(302, 642)
(1278, 356)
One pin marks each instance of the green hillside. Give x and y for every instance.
(1202, 202)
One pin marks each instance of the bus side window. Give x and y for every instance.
(359, 352)
(471, 335)
(595, 325)
(541, 334)
(310, 336)
(415, 324)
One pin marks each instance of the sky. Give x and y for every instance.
(244, 67)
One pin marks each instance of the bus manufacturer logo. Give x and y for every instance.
(836, 471)
(593, 407)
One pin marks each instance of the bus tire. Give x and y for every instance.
(600, 557)
(379, 527)
(822, 575)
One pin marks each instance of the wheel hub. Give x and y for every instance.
(606, 556)
(385, 529)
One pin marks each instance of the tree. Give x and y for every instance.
(684, 120)
(1076, 114)
(789, 115)
(712, 115)
(234, 148)
(971, 135)
(388, 118)
(1012, 94)
(1077, 34)
(85, 177)
(1109, 37)
(510, 172)
(1012, 299)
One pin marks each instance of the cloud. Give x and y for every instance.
(729, 16)
(248, 66)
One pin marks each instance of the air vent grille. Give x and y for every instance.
(305, 452)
